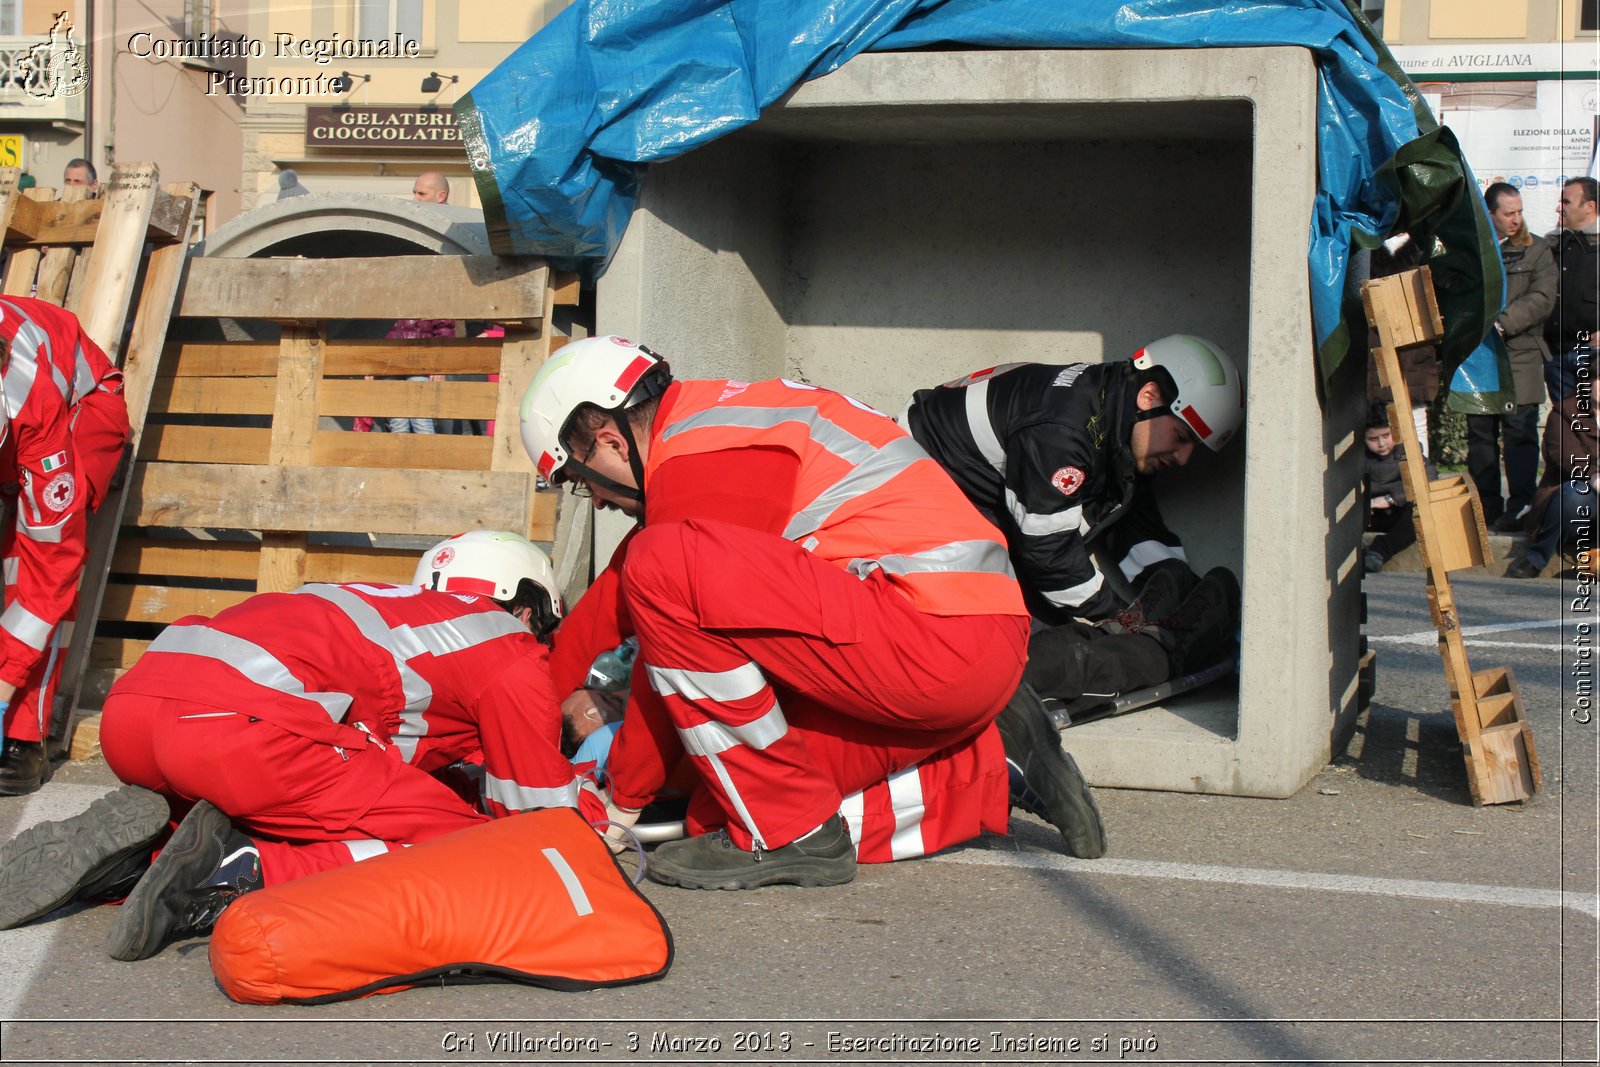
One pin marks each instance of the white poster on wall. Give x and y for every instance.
(1534, 149)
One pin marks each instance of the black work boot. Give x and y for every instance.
(1160, 597)
(24, 767)
(204, 868)
(1045, 780)
(1203, 631)
(94, 856)
(826, 856)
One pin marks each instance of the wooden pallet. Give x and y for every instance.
(246, 479)
(1502, 764)
(100, 259)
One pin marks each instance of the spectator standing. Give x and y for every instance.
(1576, 315)
(1530, 295)
(1563, 508)
(81, 172)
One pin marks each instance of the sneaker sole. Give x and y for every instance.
(137, 934)
(1075, 814)
(45, 865)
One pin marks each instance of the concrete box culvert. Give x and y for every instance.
(913, 217)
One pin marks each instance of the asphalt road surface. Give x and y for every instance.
(1375, 917)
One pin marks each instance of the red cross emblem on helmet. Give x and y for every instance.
(442, 557)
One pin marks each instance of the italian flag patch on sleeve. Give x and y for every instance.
(55, 462)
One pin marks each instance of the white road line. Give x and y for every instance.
(1475, 643)
(1455, 892)
(1429, 637)
(25, 950)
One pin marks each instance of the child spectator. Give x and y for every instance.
(1389, 511)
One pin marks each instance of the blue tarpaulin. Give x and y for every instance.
(560, 134)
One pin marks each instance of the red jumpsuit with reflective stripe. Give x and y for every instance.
(315, 718)
(67, 425)
(818, 610)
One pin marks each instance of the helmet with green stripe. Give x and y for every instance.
(1200, 383)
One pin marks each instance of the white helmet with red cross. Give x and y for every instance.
(609, 372)
(491, 563)
(1206, 391)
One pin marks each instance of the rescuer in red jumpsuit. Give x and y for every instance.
(827, 628)
(66, 425)
(300, 731)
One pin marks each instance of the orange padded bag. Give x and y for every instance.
(533, 898)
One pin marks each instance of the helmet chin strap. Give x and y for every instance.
(627, 492)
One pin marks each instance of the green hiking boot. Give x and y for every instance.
(826, 856)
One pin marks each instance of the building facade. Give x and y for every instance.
(356, 95)
(1516, 80)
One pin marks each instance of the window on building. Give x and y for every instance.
(1373, 10)
(10, 18)
(197, 15)
(1589, 16)
(378, 20)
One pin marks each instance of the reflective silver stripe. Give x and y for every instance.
(23, 368)
(516, 797)
(905, 800)
(401, 642)
(11, 564)
(249, 659)
(25, 626)
(709, 738)
(1072, 597)
(871, 465)
(469, 631)
(871, 468)
(739, 807)
(1036, 525)
(983, 435)
(745, 680)
(569, 879)
(41, 710)
(44, 535)
(961, 557)
(83, 382)
(1145, 553)
(853, 810)
(365, 849)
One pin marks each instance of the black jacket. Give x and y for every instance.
(1576, 316)
(1042, 450)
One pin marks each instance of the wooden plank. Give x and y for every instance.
(1508, 775)
(10, 196)
(321, 499)
(22, 268)
(190, 559)
(145, 342)
(340, 358)
(54, 279)
(565, 288)
(542, 527)
(329, 563)
(166, 603)
(334, 448)
(210, 444)
(55, 222)
(294, 428)
(85, 738)
(170, 216)
(418, 400)
(215, 396)
(1497, 744)
(101, 300)
(421, 287)
(118, 653)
